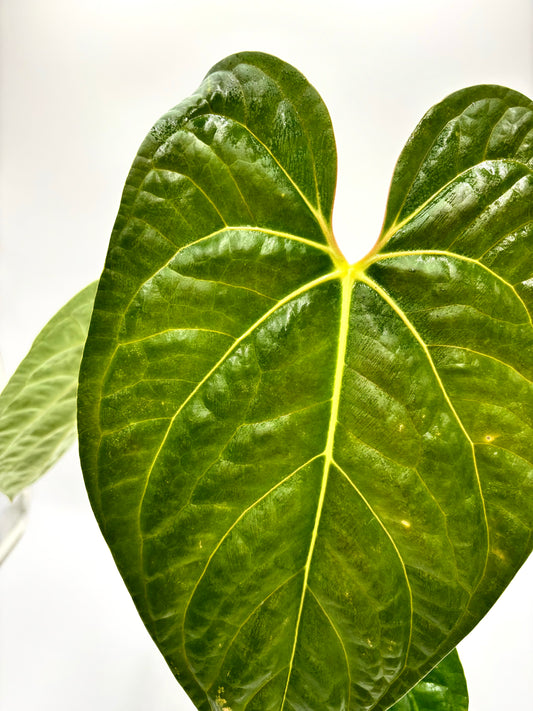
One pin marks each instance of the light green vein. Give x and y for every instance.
(126, 307)
(504, 236)
(404, 569)
(484, 355)
(461, 307)
(286, 235)
(209, 147)
(231, 286)
(315, 211)
(109, 395)
(248, 618)
(153, 228)
(237, 520)
(290, 297)
(412, 700)
(156, 169)
(131, 426)
(452, 255)
(151, 336)
(488, 212)
(397, 226)
(334, 628)
(505, 449)
(414, 469)
(211, 235)
(395, 307)
(265, 683)
(344, 319)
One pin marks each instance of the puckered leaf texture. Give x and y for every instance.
(315, 477)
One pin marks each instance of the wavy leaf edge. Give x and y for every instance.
(372, 278)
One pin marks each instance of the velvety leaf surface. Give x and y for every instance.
(315, 478)
(38, 404)
(443, 689)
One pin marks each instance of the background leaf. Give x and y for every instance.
(281, 449)
(443, 689)
(38, 404)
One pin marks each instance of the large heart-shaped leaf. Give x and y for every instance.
(313, 476)
(38, 405)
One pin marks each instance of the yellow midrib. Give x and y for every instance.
(293, 295)
(346, 275)
(346, 282)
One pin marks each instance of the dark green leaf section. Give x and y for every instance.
(457, 278)
(470, 126)
(38, 405)
(218, 289)
(443, 689)
(312, 476)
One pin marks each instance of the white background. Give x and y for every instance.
(82, 82)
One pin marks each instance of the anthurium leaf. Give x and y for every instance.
(38, 404)
(443, 689)
(313, 476)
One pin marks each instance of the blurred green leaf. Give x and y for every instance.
(38, 404)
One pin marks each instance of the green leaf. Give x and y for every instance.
(315, 478)
(38, 404)
(443, 689)
(468, 127)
